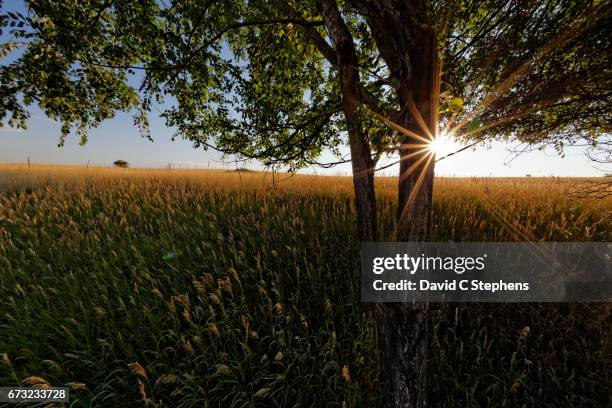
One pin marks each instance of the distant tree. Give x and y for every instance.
(282, 80)
(121, 163)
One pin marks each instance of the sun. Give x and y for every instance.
(443, 145)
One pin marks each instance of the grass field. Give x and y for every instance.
(194, 288)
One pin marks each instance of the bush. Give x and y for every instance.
(122, 164)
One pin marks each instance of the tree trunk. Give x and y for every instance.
(419, 98)
(363, 180)
(361, 155)
(409, 48)
(404, 329)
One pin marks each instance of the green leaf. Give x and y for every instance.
(456, 102)
(475, 124)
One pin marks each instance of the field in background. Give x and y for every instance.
(14, 177)
(216, 288)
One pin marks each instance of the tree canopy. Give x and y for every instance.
(260, 78)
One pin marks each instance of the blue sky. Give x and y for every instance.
(119, 139)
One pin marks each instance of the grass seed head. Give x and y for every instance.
(138, 370)
(346, 374)
(279, 357)
(35, 381)
(213, 330)
(262, 393)
(76, 385)
(166, 379)
(222, 369)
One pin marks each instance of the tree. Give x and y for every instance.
(280, 81)
(121, 164)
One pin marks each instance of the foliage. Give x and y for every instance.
(197, 288)
(260, 79)
(532, 71)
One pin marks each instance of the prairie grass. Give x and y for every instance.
(192, 288)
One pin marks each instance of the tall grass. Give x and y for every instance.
(211, 288)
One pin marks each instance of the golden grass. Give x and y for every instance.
(216, 288)
(19, 176)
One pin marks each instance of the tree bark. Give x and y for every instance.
(405, 330)
(363, 179)
(407, 43)
(361, 155)
(403, 334)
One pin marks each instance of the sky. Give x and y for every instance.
(118, 138)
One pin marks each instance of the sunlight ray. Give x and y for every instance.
(416, 113)
(395, 126)
(414, 191)
(518, 233)
(506, 119)
(407, 146)
(575, 28)
(405, 157)
(414, 165)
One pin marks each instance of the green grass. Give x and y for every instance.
(178, 292)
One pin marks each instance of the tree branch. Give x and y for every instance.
(207, 44)
(331, 55)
